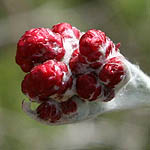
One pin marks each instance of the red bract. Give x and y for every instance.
(109, 49)
(44, 80)
(38, 45)
(66, 30)
(69, 107)
(117, 46)
(64, 87)
(77, 63)
(112, 72)
(86, 85)
(109, 94)
(96, 65)
(97, 93)
(90, 44)
(49, 111)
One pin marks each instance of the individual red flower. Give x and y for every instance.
(69, 107)
(66, 30)
(44, 80)
(38, 45)
(49, 111)
(112, 72)
(90, 43)
(86, 85)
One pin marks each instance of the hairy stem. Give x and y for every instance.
(135, 93)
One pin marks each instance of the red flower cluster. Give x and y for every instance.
(62, 62)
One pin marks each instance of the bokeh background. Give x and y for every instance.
(125, 21)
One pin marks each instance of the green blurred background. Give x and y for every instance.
(125, 21)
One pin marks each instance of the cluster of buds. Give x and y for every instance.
(63, 62)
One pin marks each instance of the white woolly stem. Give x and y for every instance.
(136, 93)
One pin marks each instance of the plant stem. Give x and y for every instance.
(136, 93)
